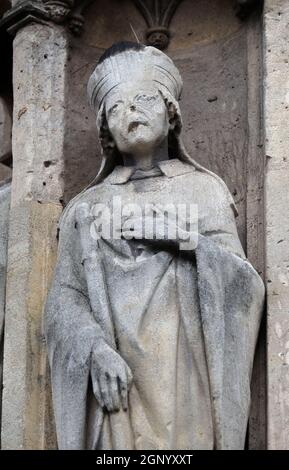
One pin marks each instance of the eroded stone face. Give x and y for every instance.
(137, 118)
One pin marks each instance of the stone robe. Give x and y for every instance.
(186, 324)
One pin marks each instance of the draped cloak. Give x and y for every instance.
(185, 323)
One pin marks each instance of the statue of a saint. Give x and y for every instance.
(150, 340)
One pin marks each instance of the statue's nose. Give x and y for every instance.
(132, 107)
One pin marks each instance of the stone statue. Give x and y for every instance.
(150, 345)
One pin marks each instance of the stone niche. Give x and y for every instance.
(219, 58)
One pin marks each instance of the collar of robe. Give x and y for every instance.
(170, 168)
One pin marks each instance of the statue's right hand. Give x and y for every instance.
(111, 377)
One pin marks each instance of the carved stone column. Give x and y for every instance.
(39, 80)
(4, 223)
(276, 118)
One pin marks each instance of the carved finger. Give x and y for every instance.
(114, 393)
(123, 394)
(129, 376)
(96, 389)
(105, 394)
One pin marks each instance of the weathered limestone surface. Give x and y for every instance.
(255, 220)
(276, 118)
(4, 223)
(40, 57)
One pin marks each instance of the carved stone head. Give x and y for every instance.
(134, 91)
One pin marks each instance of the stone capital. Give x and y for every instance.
(63, 12)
